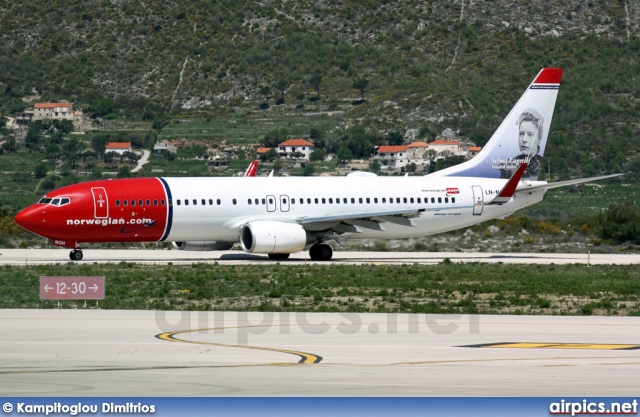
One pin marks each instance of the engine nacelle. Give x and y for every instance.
(201, 246)
(272, 237)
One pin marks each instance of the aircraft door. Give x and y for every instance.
(284, 203)
(271, 203)
(100, 203)
(478, 200)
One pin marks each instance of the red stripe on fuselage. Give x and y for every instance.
(77, 221)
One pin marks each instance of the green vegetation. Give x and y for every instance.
(445, 288)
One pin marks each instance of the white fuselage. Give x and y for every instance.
(445, 203)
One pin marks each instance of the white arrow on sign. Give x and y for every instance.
(94, 288)
(46, 288)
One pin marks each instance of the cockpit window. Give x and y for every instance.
(58, 201)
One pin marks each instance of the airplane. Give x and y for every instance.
(278, 216)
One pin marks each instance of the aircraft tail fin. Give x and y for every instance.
(252, 169)
(521, 137)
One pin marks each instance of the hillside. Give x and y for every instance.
(430, 65)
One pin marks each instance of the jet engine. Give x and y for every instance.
(200, 246)
(272, 237)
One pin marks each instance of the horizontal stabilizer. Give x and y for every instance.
(548, 186)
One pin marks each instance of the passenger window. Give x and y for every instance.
(384, 200)
(375, 200)
(195, 202)
(249, 201)
(178, 201)
(411, 199)
(404, 199)
(353, 200)
(117, 203)
(204, 202)
(140, 203)
(368, 200)
(331, 201)
(155, 202)
(211, 201)
(218, 201)
(302, 201)
(446, 199)
(234, 202)
(133, 203)
(186, 202)
(148, 202)
(162, 202)
(433, 200)
(316, 200)
(308, 201)
(270, 201)
(337, 201)
(398, 200)
(263, 202)
(324, 201)
(257, 200)
(293, 201)
(360, 200)
(439, 199)
(344, 200)
(419, 200)
(453, 200)
(125, 203)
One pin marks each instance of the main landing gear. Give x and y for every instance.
(321, 252)
(75, 255)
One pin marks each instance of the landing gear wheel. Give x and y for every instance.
(279, 256)
(75, 255)
(321, 252)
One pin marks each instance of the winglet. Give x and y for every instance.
(251, 169)
(509, 188)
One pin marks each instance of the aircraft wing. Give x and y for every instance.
(548, 186)
(354, 222)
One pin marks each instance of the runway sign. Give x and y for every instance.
(72, 288)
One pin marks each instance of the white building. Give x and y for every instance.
(445, 147)
(118, 147)
(53, 111)
(393, 156)
(288, 148)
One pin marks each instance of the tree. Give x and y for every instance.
(265, 90)
(361, 84)
(318, 155)
(101, 107)
(123, 172)
(344, 155)
(315, 82)
(10, 145)
(275, 137)
(34, 134)
(308, 170)
(41, 171)
(374, 166)
(281, 85)
(65, 126)
(395, 138)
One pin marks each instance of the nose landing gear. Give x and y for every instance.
(75, 255)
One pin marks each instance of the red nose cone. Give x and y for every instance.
(31, 219)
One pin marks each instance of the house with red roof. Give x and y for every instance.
(288, 148)
(53, 111)
(118, 147)
(393, 156)
(447, 147)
